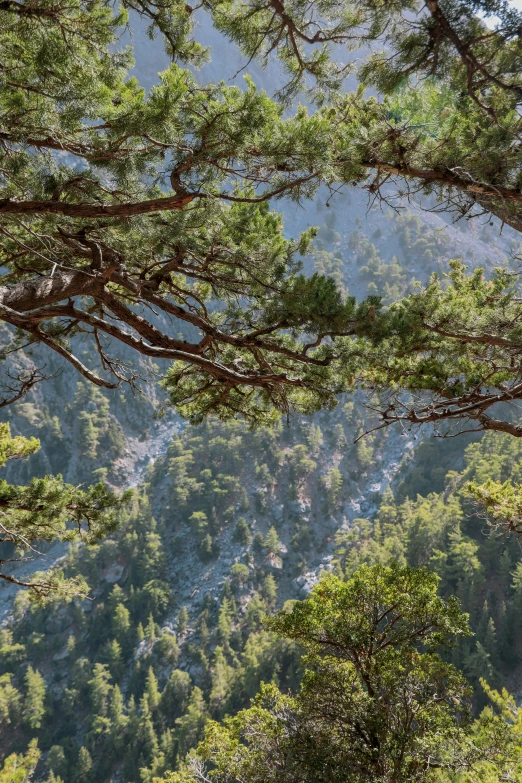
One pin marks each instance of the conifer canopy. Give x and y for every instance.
(142, 222)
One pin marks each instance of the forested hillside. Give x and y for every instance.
(229, 525)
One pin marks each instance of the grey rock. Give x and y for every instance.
(114, 574)
(278, 512)
(275, 563)
(299, 507)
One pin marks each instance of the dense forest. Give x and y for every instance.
(261, 454)
(227, 527)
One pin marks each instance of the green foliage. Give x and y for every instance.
(242, 532)
(505, 760)
(239, 574)
(48, 509)
(451, 344)
(447, 119)
(272, 542)
(19, 768)
(182, 619)
(377, 702)
(502, 504)
(83, 765)
(15, 447)
(10, 700)
(445, 532)
(33, 710)
(395, 606)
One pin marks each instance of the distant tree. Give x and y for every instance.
(272, 542)
(258, 542)
(100, 689)
(152, 690)
(167, 647)
(176, 694)
(314, 438)
(242, 532)
(121, 625)
(183, 619)
(118, 719)
(114, 658)
(239, 574)
(222, 675)
(34, 700)
(300, 464)
(84, 766)
(57, 762)
(146, 738)
(10, 700)
(20, 767)
(190, 726)
(255, 613)
(207, 547)
(334, 483)
(269, 589)
(224, 624)
(151, 629)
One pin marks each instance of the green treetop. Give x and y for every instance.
(20, 767)
(378, 703)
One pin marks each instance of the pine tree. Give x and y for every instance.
(490, 642)
(57, 762)
(182, 620)
(117, 717)
(178, 136)
(244, 504)
(206, 547)
(270, 589)
(242, 532)
(121, 622)
(224, 624)
(34, 701)
(147, 741)
(52, 778)
(239, 574)
(189, 727)
(222, 675)
(150, 629)
(114, 659)
(176, 694)
(100, 689)
(314, 438)
(19, 768)
(272, 542)
(84, 766)
(334, 483)
(152, 690)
